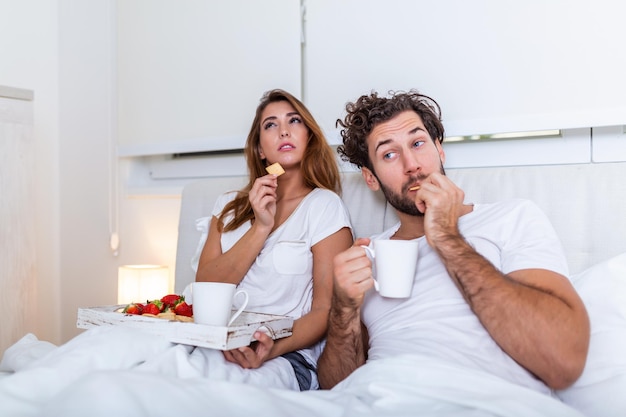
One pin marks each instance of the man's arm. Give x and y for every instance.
(535, 315)
(346, 340)
(344, 351)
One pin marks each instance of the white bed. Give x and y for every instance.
(586, 205)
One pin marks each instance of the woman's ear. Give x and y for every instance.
(370, 179)
(260, 151)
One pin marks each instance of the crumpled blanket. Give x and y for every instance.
(110, 371)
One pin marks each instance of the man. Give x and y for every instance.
(490, 290)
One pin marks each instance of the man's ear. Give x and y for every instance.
(442, 154)
(370, 179)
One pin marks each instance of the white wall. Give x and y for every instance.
(146, 226)
(85, 98)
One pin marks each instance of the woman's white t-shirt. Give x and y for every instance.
(280, 281)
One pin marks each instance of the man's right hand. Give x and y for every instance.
(353, 275)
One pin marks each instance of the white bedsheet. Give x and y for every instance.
(99, 374)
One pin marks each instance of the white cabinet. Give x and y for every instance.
(190, 73)
(17, 214)
(493, 66)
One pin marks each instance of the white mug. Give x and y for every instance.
(394, 264)
(213, 303)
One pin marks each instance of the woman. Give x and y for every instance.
(276, 238)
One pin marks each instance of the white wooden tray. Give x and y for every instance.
(239, 333)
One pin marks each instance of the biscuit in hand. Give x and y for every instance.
(275, 169)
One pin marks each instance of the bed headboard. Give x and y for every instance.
(585, 202)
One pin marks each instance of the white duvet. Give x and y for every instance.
(100, 373)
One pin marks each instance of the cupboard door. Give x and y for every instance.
(196, 69)
(493, 66)
(18, 266)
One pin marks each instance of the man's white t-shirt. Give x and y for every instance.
(281, 279)
(436, 320)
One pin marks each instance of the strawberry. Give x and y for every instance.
(170, 300)
(183, 309)
(153, 307)
(133, 308)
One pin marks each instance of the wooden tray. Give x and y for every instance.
(238, 334)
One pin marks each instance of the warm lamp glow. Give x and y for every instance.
(138, 283)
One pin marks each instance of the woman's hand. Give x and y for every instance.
(253, 356)
(262, 197)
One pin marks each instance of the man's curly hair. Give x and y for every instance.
(370, 110)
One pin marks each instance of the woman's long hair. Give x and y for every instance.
(319, 165)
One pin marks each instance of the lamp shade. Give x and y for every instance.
(138, 283)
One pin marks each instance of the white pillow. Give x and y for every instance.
(599, 391)
(202, 225)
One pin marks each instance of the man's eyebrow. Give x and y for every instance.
(381, 143)
(411, 132)
(418, 128)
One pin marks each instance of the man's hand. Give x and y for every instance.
(441, 201)
(353, 275)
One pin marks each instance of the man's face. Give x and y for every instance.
(403, 155)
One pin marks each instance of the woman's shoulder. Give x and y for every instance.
(326, 193)
(324, 203)
(222, 200)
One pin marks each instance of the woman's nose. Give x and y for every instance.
(284, 133)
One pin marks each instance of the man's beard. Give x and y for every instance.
(401, 202)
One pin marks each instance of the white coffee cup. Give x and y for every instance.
(213, 303)
(394, 264)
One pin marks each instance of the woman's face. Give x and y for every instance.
(284, 136)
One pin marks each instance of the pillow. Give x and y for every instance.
(602, 288)
(202, 225)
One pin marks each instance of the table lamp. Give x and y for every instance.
(138, 283)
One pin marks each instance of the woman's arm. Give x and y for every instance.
(311, 327)
(232, 265)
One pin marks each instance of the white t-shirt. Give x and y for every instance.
(280, 281)
(436, 320)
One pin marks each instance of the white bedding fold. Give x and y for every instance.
(101, 375)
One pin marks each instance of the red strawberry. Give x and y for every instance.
(153, 307)
(183, 309)
(133, 308)
(170, 300)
